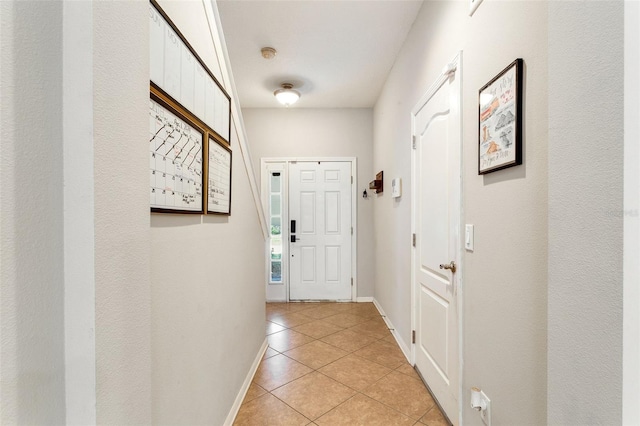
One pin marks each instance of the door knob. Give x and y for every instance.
(451, 266)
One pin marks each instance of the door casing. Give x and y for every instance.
(270, 164)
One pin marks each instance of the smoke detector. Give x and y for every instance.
(268, 52)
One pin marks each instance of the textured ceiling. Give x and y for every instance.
(336, 53)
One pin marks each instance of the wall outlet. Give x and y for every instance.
(485, 414)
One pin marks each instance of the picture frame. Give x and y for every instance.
(176, 150)
(180, 74)
(500, 120)
(219, 163)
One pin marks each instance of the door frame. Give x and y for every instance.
(455, 65)
(282, 295)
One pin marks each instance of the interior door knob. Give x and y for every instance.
(451, 266)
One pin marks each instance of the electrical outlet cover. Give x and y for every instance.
(485, 414)
(473, 5)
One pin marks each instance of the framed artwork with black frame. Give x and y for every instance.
(500, 120)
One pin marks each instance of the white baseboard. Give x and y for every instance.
(245, 386)
(403, 346)
(364, 299)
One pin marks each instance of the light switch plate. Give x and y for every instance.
(468, 237)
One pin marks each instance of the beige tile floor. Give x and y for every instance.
(334, 364)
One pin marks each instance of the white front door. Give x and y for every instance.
(320, 246)
(436, 210)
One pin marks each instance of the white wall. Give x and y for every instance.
(504, 279)
(631, 308)
(122, 238)
(207, 283)
(586, 141)
(79, 213)
(31, 224)
(179, 300)
(297, 132)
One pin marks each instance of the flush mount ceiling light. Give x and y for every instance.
(287, 96)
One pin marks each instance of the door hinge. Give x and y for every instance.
(352, 230)
(351, 282)
(413, 240)
(414, 141)
(413, 336)
(351, 180)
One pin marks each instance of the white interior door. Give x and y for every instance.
(320, 247)
(437, 222)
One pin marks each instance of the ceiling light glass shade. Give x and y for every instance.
(287, 96)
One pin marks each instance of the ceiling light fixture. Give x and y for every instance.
(287, 96)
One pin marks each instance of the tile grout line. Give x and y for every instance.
(376, 338)
(285, 402)
(331, 378)
(391, 370)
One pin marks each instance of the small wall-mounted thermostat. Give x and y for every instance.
(396, 187)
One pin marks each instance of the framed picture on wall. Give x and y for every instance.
(218, 178)
(176, 144)
(500, 112)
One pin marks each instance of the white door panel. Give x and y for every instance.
(307, 214)
(332, 213)
(433, 324)
(308, 264)
(332, 264)
(320, 257)
(436, 213)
